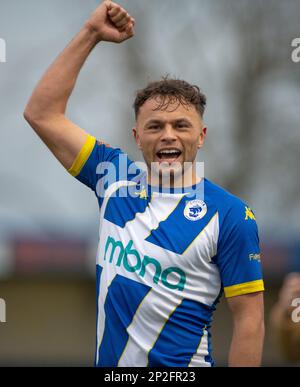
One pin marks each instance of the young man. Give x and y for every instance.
(167, 250)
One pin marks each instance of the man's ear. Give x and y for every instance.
(202, 137)
(136, 137)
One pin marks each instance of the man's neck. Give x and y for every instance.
(170, 181)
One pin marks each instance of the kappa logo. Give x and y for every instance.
(195, 210)
(249, 214)
(143, 194)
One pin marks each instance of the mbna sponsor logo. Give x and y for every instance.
(128, 258)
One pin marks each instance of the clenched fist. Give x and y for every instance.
(111, 23)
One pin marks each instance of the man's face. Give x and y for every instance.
(171, 136)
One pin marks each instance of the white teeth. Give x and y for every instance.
(169, 152)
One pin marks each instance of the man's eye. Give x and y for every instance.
(154, 127)
(182, 126)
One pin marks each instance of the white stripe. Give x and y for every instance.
(156, 212)
(198, 360)
(146, 328)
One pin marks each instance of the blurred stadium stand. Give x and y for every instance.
(50, 295)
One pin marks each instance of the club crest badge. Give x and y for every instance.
(195, 210)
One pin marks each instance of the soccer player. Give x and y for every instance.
(167, 250)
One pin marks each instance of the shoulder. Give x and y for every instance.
(106, 150)
(223, 199)
(102, 154)
(230, 207)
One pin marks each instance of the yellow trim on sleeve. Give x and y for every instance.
(245, 288)
(83, 156)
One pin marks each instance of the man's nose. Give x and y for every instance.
(168, 134)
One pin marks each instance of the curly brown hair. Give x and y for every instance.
(169, 91)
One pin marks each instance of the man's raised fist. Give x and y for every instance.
(111, 23)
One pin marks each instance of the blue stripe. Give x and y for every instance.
(122, 301)
(181, 335)
(98, 278)
(177, 232)
(123, 207)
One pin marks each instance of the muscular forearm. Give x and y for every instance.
(51, 95)
(246, 346)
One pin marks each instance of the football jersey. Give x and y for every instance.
(164, 259)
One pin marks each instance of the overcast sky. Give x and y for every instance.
(195, 40)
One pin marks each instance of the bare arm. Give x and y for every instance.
(248, 330)
(46, 108)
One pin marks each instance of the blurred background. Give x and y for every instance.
(239, 53)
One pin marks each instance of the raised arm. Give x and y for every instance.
(46, 109)
(248, 330)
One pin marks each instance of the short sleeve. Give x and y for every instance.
(98, 165)
(238, 252)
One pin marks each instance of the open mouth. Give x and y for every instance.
(169, 155)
